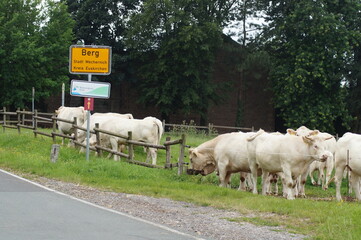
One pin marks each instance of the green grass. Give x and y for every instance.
(319, 216)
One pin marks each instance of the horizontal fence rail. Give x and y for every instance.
(211, 129)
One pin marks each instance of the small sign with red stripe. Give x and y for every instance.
(89, 104)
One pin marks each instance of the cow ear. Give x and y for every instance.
(290, 131)
(313, 133)
(192, 151)
(307, 140)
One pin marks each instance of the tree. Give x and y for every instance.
(311, 46)
(34, 49)
(175, 44)
(352, 18)
(102, 22)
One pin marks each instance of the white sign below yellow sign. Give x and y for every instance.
(92, 89)
(90, 59)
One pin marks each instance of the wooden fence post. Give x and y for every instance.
(4, 119)
(75, 136)
(19, 119)
(35, 122)
(163, 125)
(54, 130)
(54, 154)
(130, 147)
(167, 154)
(181, 155)
(75, 129)
(348, 174)
(97, 134)
(23, 118)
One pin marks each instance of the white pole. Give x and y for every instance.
(88, 126)
(62, 94)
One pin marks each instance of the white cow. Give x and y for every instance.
(288, 154)
(69, 113)
(328, 165)
(227, 153)
(348, 154)
(98, 118)
(144, 130)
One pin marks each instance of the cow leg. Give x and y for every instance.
(355, 183)
(146, 149)
(301, 184)
(224, 177)
(265, 182)
(254, 172)
(311, 176)
(349, 182)
(227, 180)
(114, 144)
(321, 176)
(338, 180)
(249, 181)
(62, 139)
(243, 181)
(276, 185)
(153, 153)
(288, 184)
(329, 169)
(273, 185)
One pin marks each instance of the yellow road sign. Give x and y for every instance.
(90, 59)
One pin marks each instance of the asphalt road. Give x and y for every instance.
(32, 212)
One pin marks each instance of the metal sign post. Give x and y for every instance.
(62, 94)
(89, 60)
(88, 126)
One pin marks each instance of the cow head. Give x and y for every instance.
(317, 147)
(200, 162)
(302, 131)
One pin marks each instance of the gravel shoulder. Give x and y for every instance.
(203, 222)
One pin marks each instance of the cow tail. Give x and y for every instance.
(160, 131)
(251, 138)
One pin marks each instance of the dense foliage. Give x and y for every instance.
(34, 41)
(309, 49)
(311, 44)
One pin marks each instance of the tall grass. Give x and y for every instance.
(320, 217)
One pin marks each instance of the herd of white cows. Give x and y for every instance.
(147, 130)
(291, 156)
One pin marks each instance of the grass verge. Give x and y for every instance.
(314, 217)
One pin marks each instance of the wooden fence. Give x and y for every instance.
(18, 120)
